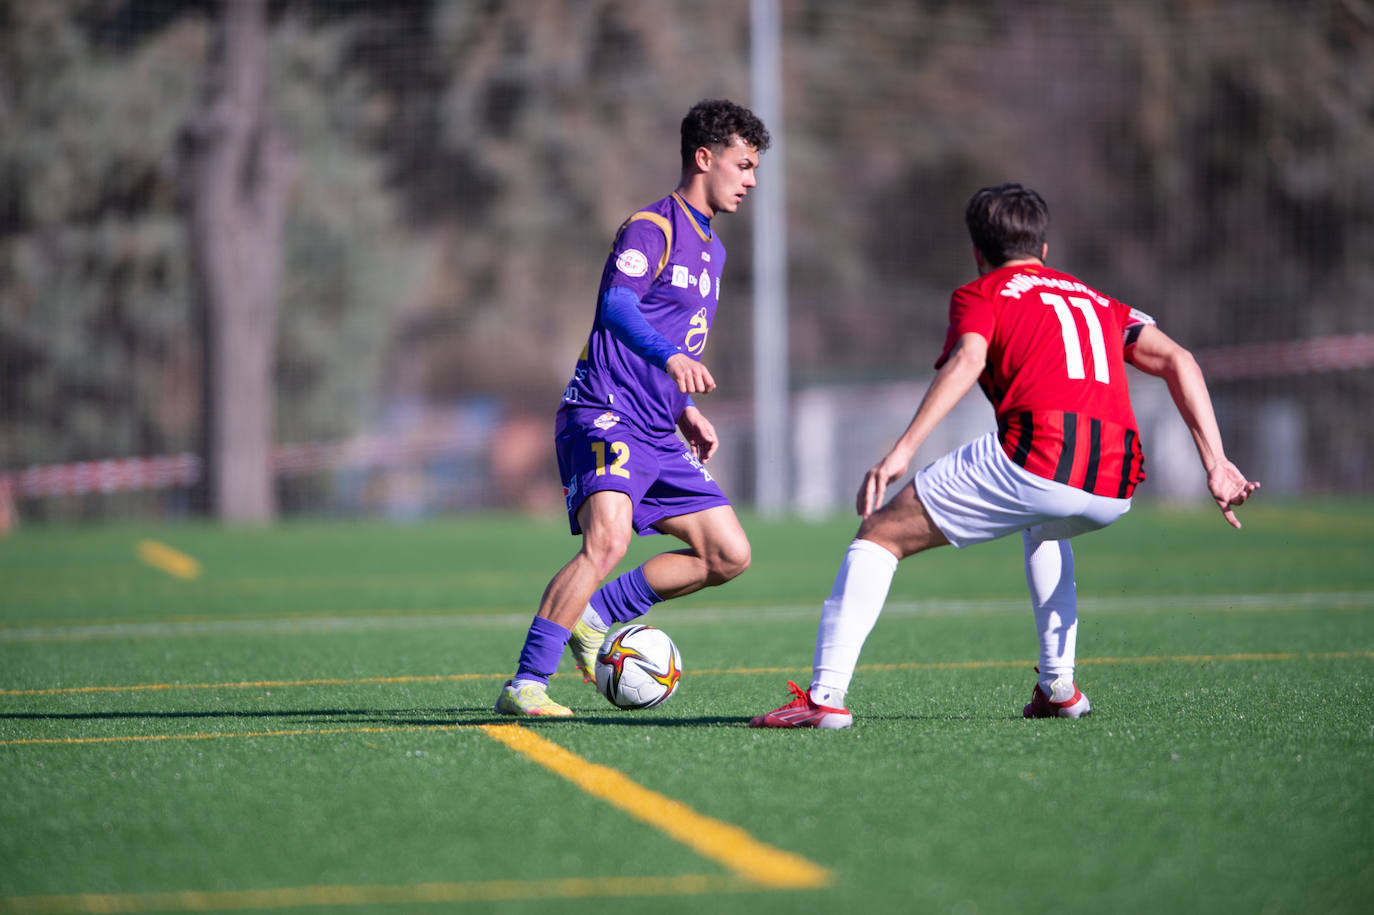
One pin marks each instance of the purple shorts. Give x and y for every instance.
(598, 452)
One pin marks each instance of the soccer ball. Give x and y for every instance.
(638, 667)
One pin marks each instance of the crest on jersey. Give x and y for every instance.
(632, 262)
(705, 283)
(605, 420)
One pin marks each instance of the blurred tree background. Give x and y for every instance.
(459, 169)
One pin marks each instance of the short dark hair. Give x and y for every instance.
(715, 122)
(1007, 221)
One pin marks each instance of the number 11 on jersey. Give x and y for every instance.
(1073, 349)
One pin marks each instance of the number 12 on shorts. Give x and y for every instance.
(620, 453)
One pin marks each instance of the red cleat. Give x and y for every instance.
(1064, 701)
(801, 712)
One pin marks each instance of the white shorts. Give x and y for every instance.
(976, 494)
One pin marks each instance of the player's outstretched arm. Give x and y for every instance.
(966, 362)
(1156, 354)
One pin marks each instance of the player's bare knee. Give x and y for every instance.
(605, 551)
(728, 561)
(879, 529)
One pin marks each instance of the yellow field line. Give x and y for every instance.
(295, 732)
(166, 559)
(727, 845)
(288, 897)
(721, 842)
(254, 684)
(1239, 656)
(300, 896)
(722, 672)
(753, 865)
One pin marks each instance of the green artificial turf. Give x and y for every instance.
(301, 725)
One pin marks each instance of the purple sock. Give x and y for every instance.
(628, 597)
(543, 649)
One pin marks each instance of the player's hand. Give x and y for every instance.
(699, 432)
(691, 376)
(1229, 488)
(876, 481)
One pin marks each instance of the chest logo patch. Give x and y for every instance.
(705, 283)
(680, 276)
(605, 420)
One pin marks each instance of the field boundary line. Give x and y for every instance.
(726, 844)
(712, 672)
(23, 631)
(315, 896)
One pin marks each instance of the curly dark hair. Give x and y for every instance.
(1007, 221)
(715, 122)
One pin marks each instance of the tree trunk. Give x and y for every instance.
(238, 169)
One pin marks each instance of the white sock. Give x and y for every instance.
(1054, 598)
(849, 615)
(827, 696)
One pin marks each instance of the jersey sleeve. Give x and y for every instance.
(621, 315)
(969, 313)
(639, 252)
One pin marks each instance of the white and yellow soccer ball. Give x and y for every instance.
(638, 667)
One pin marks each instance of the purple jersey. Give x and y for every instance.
(665, 257)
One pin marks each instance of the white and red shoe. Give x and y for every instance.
(801, 712)
(1063, 701)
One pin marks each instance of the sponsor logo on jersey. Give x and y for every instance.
(570, 492)
(680, 276)
(632, 262)
(1140, 317)
(696, 337)
(605, 420)
(705, 284)
(706, 256)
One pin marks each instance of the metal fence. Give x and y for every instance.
(458, 169)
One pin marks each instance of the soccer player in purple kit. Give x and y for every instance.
(624, 469)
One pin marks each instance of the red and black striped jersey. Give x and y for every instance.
(1056, 374)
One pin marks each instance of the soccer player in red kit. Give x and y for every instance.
(1050, 352)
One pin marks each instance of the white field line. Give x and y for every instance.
(1201, 603)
